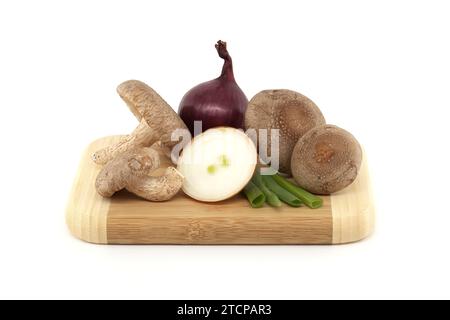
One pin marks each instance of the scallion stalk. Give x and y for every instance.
(254, 195)
(282, 193)
(309, 199)
(271, 198)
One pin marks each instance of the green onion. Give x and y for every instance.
(212, 169)
(254, 195)
(283, 194)
(309, 199)
(271, 197)
(224, 161)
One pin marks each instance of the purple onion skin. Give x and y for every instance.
(217, 103)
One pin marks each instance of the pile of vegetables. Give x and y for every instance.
(321, 158)
(223, 161)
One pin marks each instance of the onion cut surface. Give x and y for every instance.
(217, 164)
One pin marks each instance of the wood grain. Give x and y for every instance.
(87, 211)
(126, 219)
(183, 220)
(353, 209)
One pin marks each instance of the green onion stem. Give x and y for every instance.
(254, 195)
(271, 197)
(309, 199)
(282, 193)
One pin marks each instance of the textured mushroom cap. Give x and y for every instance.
(326, 160)
(290, 112)
(147, 104)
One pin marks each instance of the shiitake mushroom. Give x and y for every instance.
(326, 159)
(290, 112)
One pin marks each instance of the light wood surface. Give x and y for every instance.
(125, 219)
(353, 209)
(87, 211)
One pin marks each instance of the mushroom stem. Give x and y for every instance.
(115, 174)
(132, 171)
(142, 136)
(157, 188)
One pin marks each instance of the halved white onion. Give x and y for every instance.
(217, 164)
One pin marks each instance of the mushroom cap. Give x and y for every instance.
(291, 112)
(145, 103)
(326, 160)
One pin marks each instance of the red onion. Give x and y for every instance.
(219, 102)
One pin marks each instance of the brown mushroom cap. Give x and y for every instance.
(158, 121)
(290, 112)
(147, 104)
(326, 159)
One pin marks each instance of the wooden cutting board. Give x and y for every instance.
(347, 216)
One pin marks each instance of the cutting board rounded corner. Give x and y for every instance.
(353, 209)
(352, 236)
(83, 232)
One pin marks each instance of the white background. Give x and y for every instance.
(380, 69)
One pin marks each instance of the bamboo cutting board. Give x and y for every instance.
(347, 216)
